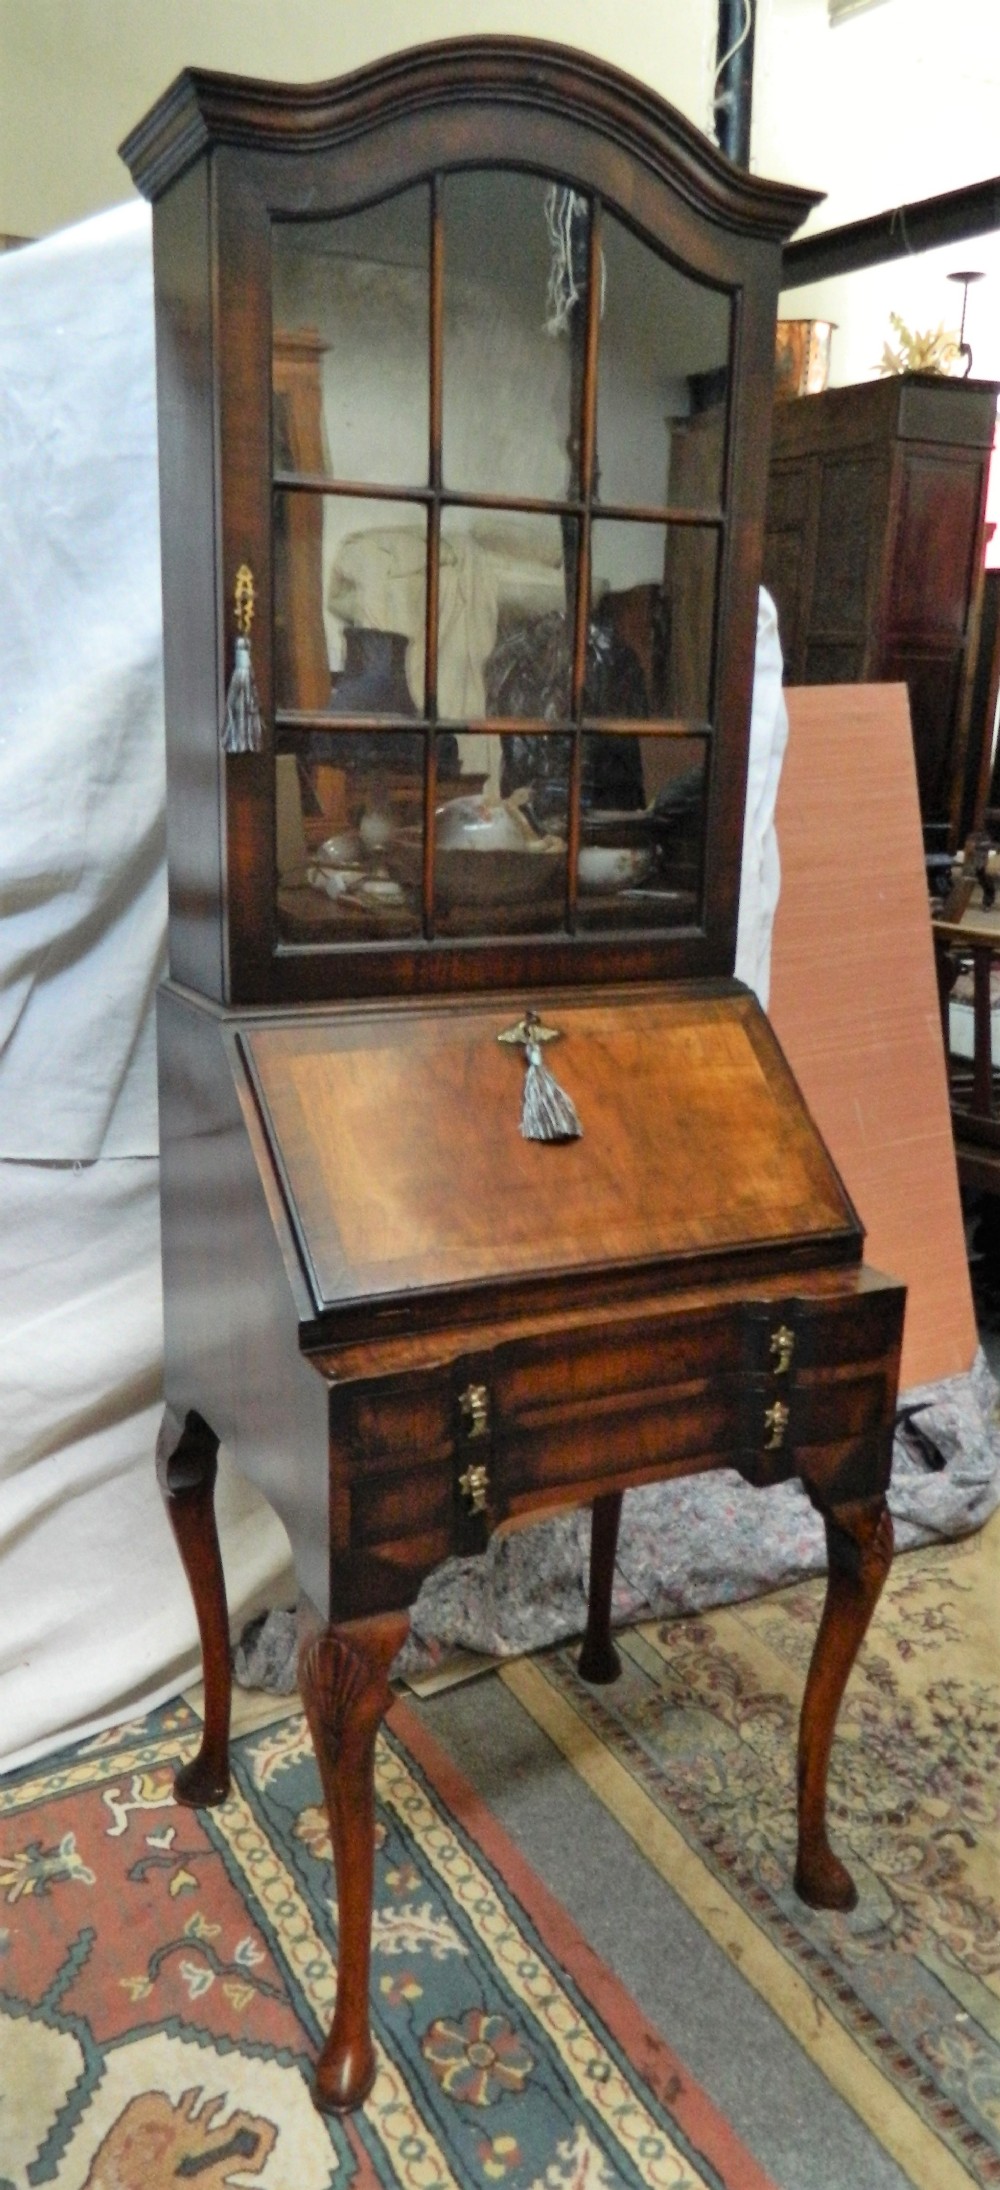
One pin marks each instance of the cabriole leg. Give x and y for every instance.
(343, 1676)
(599, 1660)
(859, 1546)
(186, 1467)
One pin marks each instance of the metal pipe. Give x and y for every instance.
(732, 97)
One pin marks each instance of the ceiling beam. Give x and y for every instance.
(923, 226)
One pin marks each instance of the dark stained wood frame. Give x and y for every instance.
(298, 390)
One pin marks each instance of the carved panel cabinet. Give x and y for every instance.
(486, 1187)
(874, 554)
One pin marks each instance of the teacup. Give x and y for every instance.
(341, 850)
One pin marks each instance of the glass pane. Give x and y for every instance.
(350, 581)
(345, 802)
(351, 351)
(653, 592)
(641, 866)
(511, 388)
(500, 848)
(503, 648)
(662, 379)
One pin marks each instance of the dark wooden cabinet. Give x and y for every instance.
(874, 553)
(486, 1188)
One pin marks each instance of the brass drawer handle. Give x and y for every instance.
(474, 1485)
(776, 1420)
(475, 1406)
(782, 1348)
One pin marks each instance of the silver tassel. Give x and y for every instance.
(547, 1112)
(242, 730)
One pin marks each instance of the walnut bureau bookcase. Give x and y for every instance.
(486, 1188)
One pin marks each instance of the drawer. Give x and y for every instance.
(798, 1429)
(765, 1385)
(538, 1377)
(655, 1430)
(399, 1448)
(425, 1463)
(801, 1333)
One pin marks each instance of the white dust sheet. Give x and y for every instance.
(95, 1615)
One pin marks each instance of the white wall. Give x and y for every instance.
(76, 75)
(896, 103)
(892, 105)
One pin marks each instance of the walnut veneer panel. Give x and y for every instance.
(854, 1002)
(398, 1137)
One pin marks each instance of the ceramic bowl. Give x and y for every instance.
(509, 878)
(475, 825)
(604, 868)
(341, 850)
(462, 877)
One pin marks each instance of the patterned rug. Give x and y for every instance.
(165, 1976)
(694, 1751)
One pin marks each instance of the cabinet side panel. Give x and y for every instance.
(933, 680)
(182, 256)
(851, 501)
(231, 1325)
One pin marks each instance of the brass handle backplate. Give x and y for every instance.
(782, 1349)
(474, 1485)
(776, 1420)
(475, 1406)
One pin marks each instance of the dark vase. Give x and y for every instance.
(373, 682)
(373, 679)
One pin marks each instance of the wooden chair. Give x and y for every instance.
(967, 958)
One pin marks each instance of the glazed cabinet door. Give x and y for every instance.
(475, 395)
(517, 593)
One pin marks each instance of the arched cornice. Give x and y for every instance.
(202, 109)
